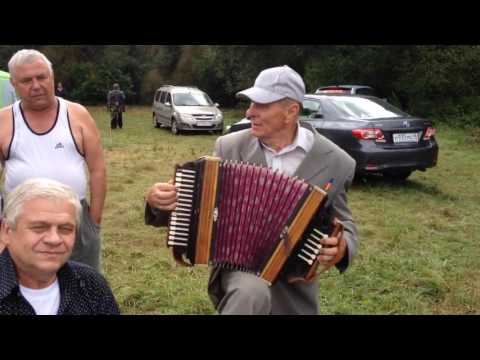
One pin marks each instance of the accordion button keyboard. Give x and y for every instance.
(178, 233)
(320, 233)
(185, 197)
(309, 255)
(184, 190)
(181, 222)
(308, 261)
(185, 178)
(311, 247)
(180, 217)
(175, 237)
(173, 243)
(184, 183)
(174, 230)
(315, 250)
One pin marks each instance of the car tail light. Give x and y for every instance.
(371, 166)
(429, 133)
(369, 134)
(334, 91)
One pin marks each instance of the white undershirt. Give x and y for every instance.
(44, 301)
(290, 157)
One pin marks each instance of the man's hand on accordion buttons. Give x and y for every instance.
(163, 196)
(332, 251)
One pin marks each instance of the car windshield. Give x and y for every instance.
(310, 107)
(192, 99)
(355, 108)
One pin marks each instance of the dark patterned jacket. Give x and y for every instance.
(83, 291)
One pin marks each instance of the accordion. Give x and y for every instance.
(249, 218)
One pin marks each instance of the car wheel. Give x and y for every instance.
(174, 127)
(359, 178)
(155, 122)
(397, 174)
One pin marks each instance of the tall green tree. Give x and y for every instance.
(435, 80)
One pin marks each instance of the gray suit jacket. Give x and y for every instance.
(324, 162)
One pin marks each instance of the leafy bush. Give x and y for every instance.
(427, 80)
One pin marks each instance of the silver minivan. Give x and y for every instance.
(186, 108)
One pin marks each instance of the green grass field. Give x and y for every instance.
(419, 251)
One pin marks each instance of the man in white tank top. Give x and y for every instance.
(42, 135)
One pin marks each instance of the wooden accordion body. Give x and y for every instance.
(249, 218)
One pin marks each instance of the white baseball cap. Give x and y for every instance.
(275, 84)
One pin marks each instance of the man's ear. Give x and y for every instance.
(5, 231)
(293, 111)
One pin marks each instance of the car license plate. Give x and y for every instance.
(405, 138)
(204, 123)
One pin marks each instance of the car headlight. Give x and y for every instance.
(219, 117)
(186, 117)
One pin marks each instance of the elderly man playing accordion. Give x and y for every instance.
(279, 141)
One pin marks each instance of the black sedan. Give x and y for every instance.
(380, 137)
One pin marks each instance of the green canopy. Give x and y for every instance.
(4, 75)
(7, 93)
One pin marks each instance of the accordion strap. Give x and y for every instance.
(337, 232)
(179, 258)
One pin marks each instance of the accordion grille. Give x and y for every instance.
(256, 204)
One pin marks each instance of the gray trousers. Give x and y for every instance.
(240, 293)
(87, 248)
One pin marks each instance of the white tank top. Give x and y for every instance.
(52, 154)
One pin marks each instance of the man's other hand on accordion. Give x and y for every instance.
(333, 250)
(163, 196)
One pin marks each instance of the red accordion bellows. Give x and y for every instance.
(256, 203)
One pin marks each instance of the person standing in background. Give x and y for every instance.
(116, 106)
(60, 91)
